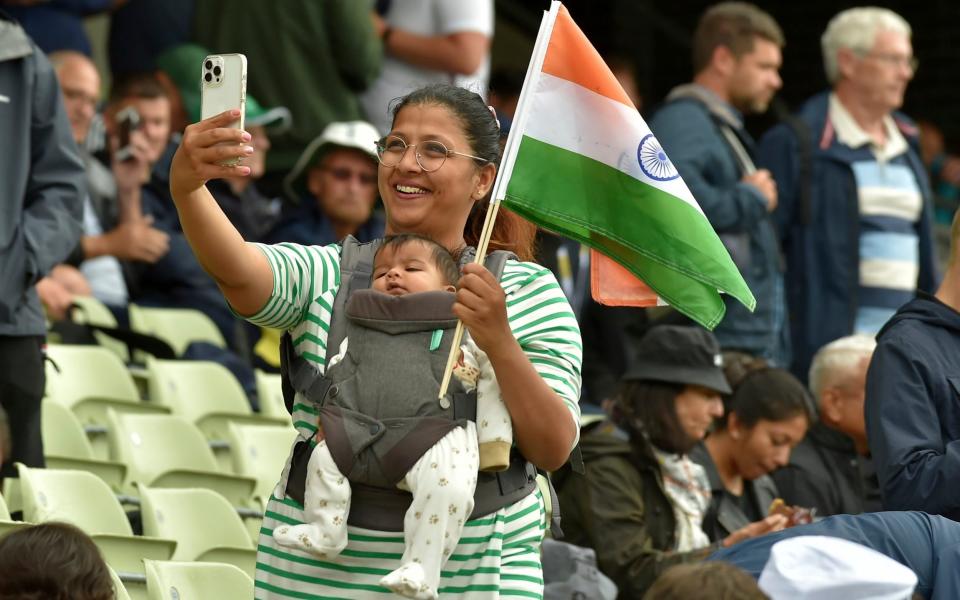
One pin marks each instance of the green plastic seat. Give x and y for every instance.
(185, 581)
(169, 451)
(6, 523)
(86, 501)
(270, 395)
(65, 446)
(176, 326)
(89, 310)
(205, 525)
(261, 451)
(120, 590)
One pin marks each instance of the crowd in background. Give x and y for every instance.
(836, 396)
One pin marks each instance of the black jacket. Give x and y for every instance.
(826, 473)
(913, 408)
(724, 515)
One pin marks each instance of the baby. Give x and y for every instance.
(410, 264)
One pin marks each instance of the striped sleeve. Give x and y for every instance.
(300, 274)
(544, 324)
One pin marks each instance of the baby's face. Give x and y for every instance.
(407, 270)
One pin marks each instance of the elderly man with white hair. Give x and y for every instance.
(831, 470)
(854, 213)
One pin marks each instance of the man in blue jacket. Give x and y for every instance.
(854, 210)
(912, 409)
(736, 59)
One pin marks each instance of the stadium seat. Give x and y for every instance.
(65, 446)
(270, 395)
(204, 524)
(118, 586)
(184, 581)
(6, 523)
(261, 451)
(206, 394)
(89, 310)
(176, 326)
(168, 451)
(85, 500)
(88, 380)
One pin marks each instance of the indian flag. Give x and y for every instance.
(580, 161)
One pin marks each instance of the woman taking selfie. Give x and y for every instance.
(641, 500)
(437, 166)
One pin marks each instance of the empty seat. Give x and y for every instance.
(6, 523)
(270, 395)
(205, 525)
(86, 501)
(65, 446)
(176, 326)
(261, 451)
(184, 581)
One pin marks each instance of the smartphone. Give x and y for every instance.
(128, 120)
(223, 84)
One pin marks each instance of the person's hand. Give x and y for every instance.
(132, 173)
(757, 528)
(55, 298)
(204, 146)
(482, 306)
(138, 240)
(379, 24)
(763, 181)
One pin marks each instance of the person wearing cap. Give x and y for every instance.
(640, 501)
(766, 415)
(926, 545)
(334, 185)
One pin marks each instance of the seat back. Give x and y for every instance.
(261, 451)
(176, 326)
(120, 591)
(82, 372)
(195, 389)
(151, 445)
(182, 581)
(270, 395)
(4, 510)
(76, 497)
(63, 434)
(199, 519)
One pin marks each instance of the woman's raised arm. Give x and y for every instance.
(241, 271)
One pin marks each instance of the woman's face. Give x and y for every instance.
(766, 446)
(434, 204)
(697, 407)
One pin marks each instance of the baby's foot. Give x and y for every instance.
(309, 538)
(409, 581)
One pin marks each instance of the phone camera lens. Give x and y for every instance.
(208, 64)
(208, 78)
(216, 71)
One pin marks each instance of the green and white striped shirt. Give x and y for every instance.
(499, 554)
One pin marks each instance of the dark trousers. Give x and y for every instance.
(22, 379)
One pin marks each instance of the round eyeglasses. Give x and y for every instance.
(430, 154)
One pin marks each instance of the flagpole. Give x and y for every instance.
(506, 166)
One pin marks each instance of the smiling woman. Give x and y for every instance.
(522, 322)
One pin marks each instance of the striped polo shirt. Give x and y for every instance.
(890, 204)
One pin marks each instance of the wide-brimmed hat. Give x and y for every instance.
(182, 63)
(681, 355)
(357, 135)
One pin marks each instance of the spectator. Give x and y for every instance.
(831, 469)
(58, 24)
(335, 184)
(430, 41)
(41, 191)
(944, 172)
(53, 561)
(113, 226)
(855, 207)
(704, 581)
(928, 545)
(912, 413)
(766, 416)
(641, 500)
(736, 58)
(313, 58)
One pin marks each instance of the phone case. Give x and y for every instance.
(225, 90)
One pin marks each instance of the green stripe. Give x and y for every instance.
(523, 593)
(540, 290)
(320, 580)
(658, 237)
(319, 563)
(306, 408)
(292, 594)
(540, 305)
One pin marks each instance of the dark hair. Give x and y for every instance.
(510, 231)
(769, 394)
(6, 442)
(442, 258)
(52, 561)
(734, 25)
(145, 86)
(715, 580)
(649, 408)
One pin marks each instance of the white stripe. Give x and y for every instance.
(574, 118)
(889, 274)
(890, 202)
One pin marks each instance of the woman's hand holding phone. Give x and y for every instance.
(206, 146)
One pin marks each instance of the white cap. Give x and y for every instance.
(828, 568)
(358, 135)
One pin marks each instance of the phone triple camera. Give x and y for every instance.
(213, 70)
